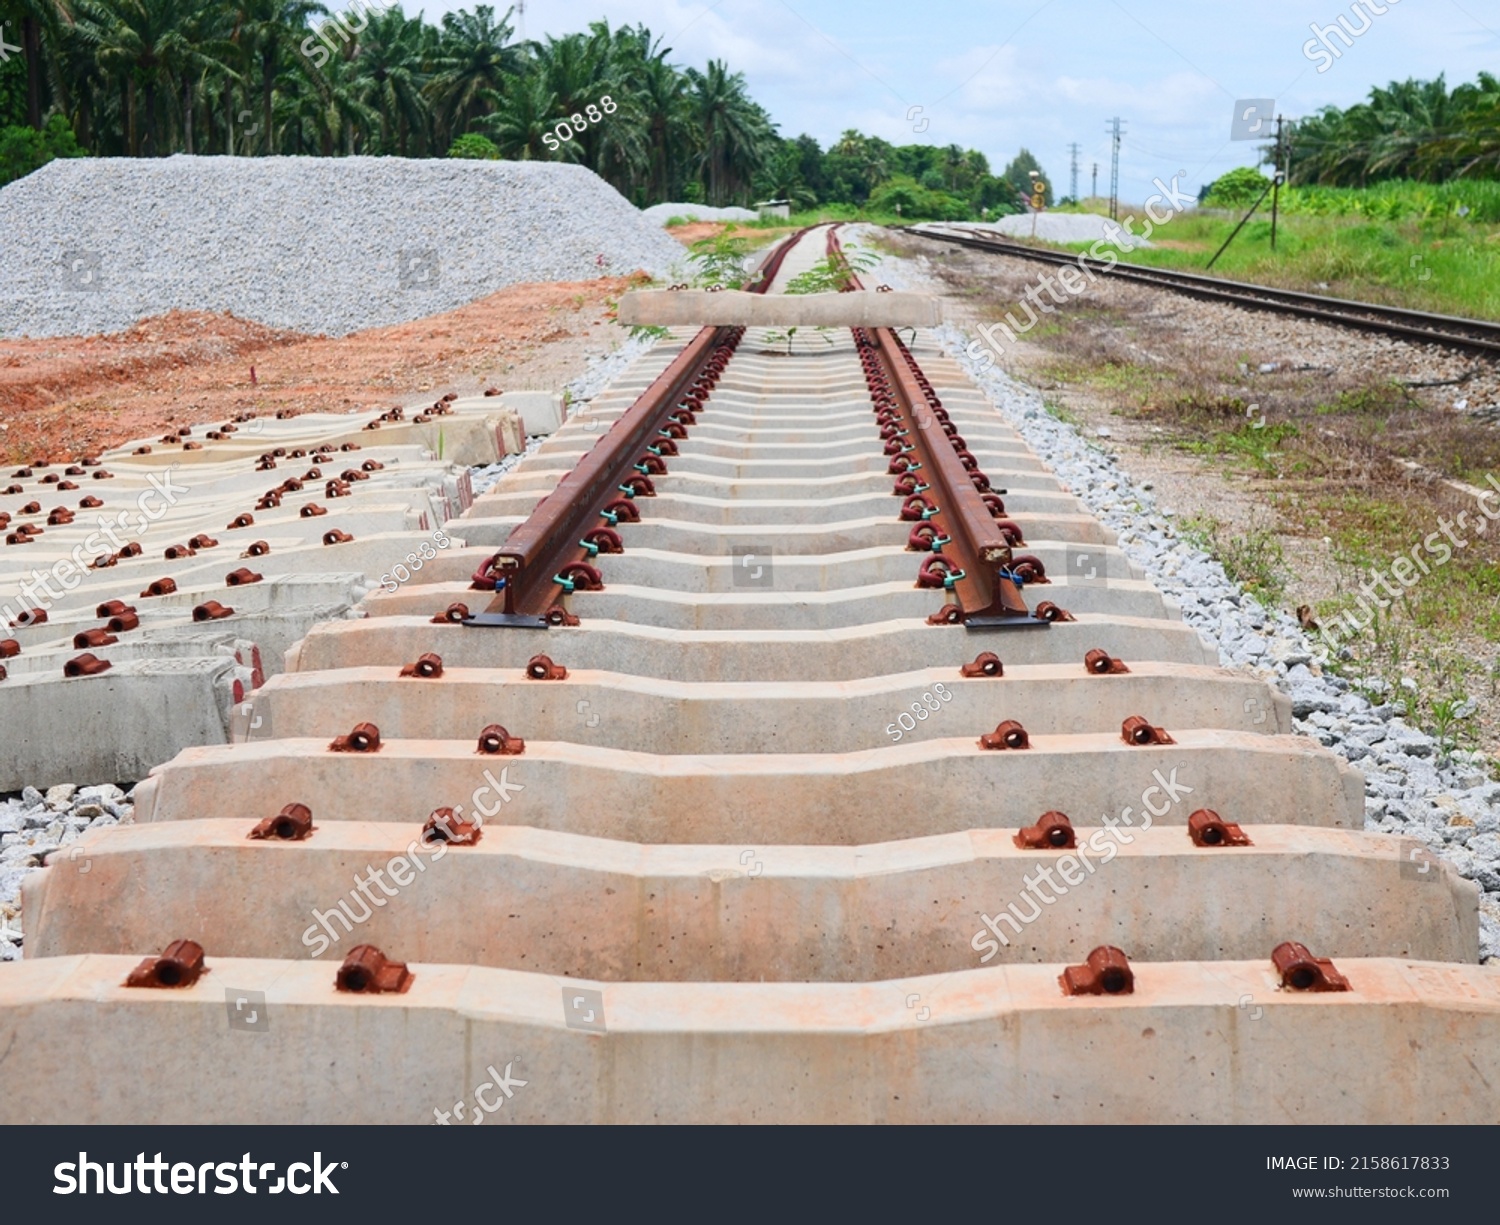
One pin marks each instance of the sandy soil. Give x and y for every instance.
(64, 397)
(687, 235)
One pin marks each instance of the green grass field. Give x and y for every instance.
(1438, 262)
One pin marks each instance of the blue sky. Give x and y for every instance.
(1045, 73)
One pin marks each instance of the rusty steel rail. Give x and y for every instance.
(551, 553)
(959, 517)
(1452, 331)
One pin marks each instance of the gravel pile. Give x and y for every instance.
(328, 245)
(33, 825)
(660, 214)
(1446, 804)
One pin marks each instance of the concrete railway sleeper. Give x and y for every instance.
(718, 720)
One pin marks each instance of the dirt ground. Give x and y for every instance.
(68, 396)
(695, 231)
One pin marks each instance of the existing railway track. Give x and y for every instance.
(771, 786)
(1471, 335)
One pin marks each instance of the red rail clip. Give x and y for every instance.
(1052, 831)
(368, 971)
(1100, 663)
(1106, 972)
(1207, 828)
(1301, 971)
(985, 664)
(1009, 735)
(365, 738)
(496, 741)
(211, 610)
(428, 666)
(93, 638)
(1048, 611)
(445, 825)
(242, 576)
(1135, 730)
(451, 615)
(1029, 568)
(86, 665)
(292, 824)
(541, 668)
(180, 965)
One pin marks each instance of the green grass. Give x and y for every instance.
(1445, 264)
(1252, 446)
(1054, 409)
(1253, 558)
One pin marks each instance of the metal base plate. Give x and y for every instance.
(514, 621)
(1006, 623)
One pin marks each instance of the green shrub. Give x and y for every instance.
(24, 149)
(902, 193)
(1237, 189)
(473, 145)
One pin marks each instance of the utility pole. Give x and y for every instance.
(1094, 193)
(1114, 168)
(1073, 149)
(1275, 181)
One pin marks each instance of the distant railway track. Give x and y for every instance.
(1472, 335)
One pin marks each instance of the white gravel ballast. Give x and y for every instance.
(1444, 803)
(660, 214)
(329, 245)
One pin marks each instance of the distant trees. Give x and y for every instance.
(1407, 130)
(1017, 175)
(338, 78)
(143, 78)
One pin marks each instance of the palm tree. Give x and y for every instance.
(37, 17)
(522, 114)
(143, 42)
(472, 64)
(388, 72)
(267, 29)
(339, 115)
(732, 131)
(660, 102)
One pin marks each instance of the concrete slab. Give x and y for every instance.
(728, 655)
(554, 903)
(699, 308)
(671, 716)
(904, 790)
(754, 1052)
